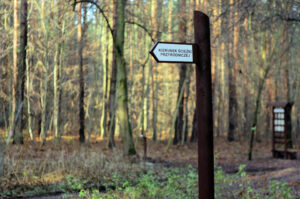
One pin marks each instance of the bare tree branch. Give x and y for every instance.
(100, 10)
(142, 27)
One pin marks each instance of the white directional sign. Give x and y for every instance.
(172, 52)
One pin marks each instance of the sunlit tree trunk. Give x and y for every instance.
(166, 70)
(107, 74)
(156, 15)
(103, 123)
(184, 132)
(28, 90)
(44, 82)
(57, 75)
(113, 81)
(146, 89)
(180, 97)
(122, 95)
(182, 73)
(30, 77)
(15, 66)
(170, 16)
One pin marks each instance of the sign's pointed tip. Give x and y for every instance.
(153, 47)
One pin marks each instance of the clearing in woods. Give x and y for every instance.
(37, 172)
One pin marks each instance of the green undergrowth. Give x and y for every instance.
(94, 175)
(239, 185)
(151, 183)
(182, 183)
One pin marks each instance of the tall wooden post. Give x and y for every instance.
(204, 106)
(198, 53)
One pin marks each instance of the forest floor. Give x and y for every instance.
(30, 166)
(230, 155)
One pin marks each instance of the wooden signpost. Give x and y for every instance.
(200, 54)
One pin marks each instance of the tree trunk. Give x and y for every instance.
(15, 65)
(232, 48)
(44, 83)
(179, 101)
(264, 75)
(122, 95)
(170, 8)
(15, 99)
(286, 64)
(21, 74)
(256, 113)
(246, 89)
(156, 9)
(194, 136)
(28, 89)
(183, 68)
(56, 76)
(186, 111)
(103, 123)
(113, 79)
(81, 78)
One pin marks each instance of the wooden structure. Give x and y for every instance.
(282, 130)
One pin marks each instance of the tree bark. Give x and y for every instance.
(15, 66)
(56, 76)
(232, 48)
(246, 89)
(182, 75)
(21, 74)
(28, 89)
(105, 94)
(44, 83)
(122, 95)
(113, 80)
(286, 64)
(194, 136)
(156, 15)
(80, 37)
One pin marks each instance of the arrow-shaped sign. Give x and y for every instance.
(173, 52)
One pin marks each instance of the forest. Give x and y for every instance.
(87, 112)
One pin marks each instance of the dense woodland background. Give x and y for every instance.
(82, 68)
